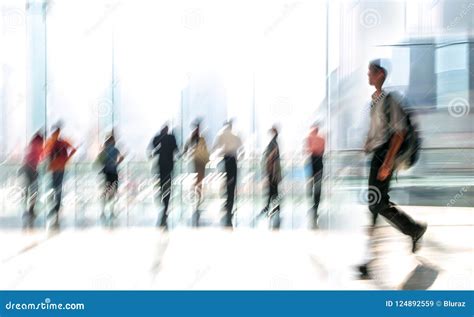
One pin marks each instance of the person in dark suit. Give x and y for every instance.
(164, 146)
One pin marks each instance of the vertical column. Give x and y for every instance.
(470, 66)
(36, 86)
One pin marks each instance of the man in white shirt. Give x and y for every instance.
(229, 144)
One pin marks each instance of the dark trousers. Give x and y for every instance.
(317, 175)
(165, 184)
(57, 185)
(31, 188)
(379, 200)
(272, 193)
(110, 188)
(230, 164)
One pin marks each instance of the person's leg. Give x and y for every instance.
(374, 193)
(318, 176)
(114, 191)
(200, 170)
(57, 183)
(270, 193)
(165, 179)
(314, 184)
(379, 203)
(105, 194)
(166, 190)
(30, 193)
(231, 178)
(110, 189)
(228, 176)
(273, 198)
(33, 193)
(60, 178)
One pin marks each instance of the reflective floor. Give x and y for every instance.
(244, 258)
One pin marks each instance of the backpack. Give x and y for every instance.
(409, 151)
(201, 153)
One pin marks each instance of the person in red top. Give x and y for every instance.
(33, 156)
(315, 145)
(59, 152)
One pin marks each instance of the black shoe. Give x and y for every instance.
(417, 237)
(363, 272)
(54, 223)
(273, 211)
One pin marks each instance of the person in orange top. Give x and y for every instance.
(315, 145)
(59, 151)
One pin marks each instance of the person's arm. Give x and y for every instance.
(120, 157)
(73, 151)
(47, 148)
(152, 147)
(397, 124)
(387, 166)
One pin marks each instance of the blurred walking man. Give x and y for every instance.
(230, 144)
(388, 129)
(59, 152)
(164, 146)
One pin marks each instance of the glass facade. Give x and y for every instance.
(103, 65)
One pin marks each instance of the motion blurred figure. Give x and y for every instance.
(164, 146)
(33, 156)
(197, 147)
(59, 151)
(109, 159)
(271, 159)
(229, 144)
(315, 146)
(388, 128)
